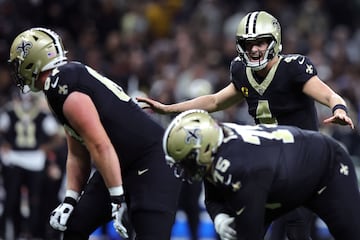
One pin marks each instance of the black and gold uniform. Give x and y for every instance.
(268, 170)
(150, 188)
(278, 98)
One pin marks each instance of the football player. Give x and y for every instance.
(254, 174)
(105, 128)
(28, 134)
(279, 89)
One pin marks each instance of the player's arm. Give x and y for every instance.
(322, 93)
(84, 118)
(214, 202)
(78, 165)
(249, 205)
(221, 100)
(219, 212)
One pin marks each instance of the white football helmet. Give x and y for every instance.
(34, 51)
(256, 25)
(190, 142)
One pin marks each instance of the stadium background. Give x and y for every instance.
(172, 50)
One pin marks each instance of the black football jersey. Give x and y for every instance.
(26, 131)
(278, 167)
(279, 97)
(132, 131)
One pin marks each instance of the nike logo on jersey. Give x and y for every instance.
(301, 61)
(240, 211)
(141, 172)
(321, 190)
(54, 84)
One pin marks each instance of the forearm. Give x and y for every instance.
(214, 202)
(206, 102)
(77, 174)
(107, 163)
(334, 100)
(322, 93)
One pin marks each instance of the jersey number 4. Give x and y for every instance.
(263, 113)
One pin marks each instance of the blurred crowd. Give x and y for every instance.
(172, 50)
(159, 48)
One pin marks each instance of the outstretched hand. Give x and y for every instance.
(340, 118)
(156, 106)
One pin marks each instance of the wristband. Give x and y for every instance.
(71, 193)
(70, 201)
(339, 106)
(116, 191)
(117, 199)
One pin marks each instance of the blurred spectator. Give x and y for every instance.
(7, 87)
(29, 134)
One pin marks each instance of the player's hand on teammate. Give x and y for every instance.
(156, 106)
(223, 226)
(60, 216)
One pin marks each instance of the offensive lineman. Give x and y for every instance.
(255, 174)
(106, 128)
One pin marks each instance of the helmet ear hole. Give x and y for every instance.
(207, 152)
(29, 66)
(207, 148)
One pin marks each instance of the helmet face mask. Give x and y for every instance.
(14, 71)
(188, 169)
(257, 26)
(190, 142)
(34, 51)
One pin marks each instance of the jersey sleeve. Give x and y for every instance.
(300, 67)
(62, 82)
